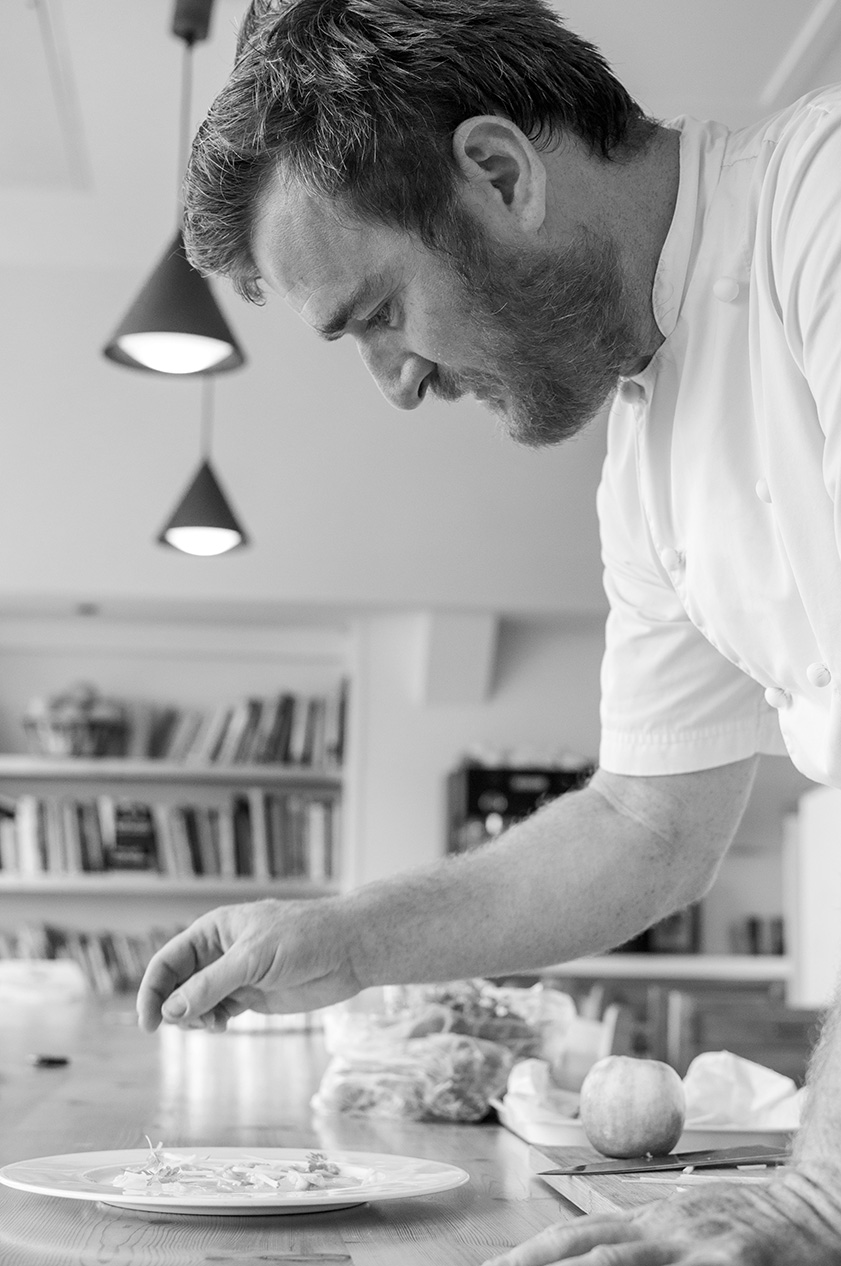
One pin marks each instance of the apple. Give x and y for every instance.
(632, 1107)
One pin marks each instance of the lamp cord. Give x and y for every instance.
(184, 122)
(206, 415)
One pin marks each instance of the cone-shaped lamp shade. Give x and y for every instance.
(203, 522)
(175, 326)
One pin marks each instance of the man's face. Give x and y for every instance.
(540, 335)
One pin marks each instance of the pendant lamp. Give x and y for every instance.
(175, 325)
(203, 522)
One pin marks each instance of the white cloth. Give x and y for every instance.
(720, 504)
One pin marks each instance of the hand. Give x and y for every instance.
(795, 1220)
(283, 956)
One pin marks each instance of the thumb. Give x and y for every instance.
(204, 990)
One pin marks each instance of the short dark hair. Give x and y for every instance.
(358, 100)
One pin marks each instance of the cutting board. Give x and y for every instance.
(614, 1193)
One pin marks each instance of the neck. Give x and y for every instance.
(643, 216)
(630, 200)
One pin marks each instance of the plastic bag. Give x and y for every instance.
(381, 1067)
(525, 1021)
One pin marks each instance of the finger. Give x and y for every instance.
(627, 1255)
(202, 992)
(174, 963)
(564, 1240)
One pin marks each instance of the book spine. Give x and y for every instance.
(260, 859)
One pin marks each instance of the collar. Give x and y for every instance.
(702, 148)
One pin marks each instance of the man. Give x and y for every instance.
(466, 190)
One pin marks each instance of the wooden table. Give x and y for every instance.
(232, 1089)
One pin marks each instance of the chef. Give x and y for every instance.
(466, 191)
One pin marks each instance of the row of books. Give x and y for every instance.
(291, 729)
(112, 962)
(258, 834)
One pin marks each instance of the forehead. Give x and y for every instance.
(311, 252)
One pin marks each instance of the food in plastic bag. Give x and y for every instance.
(513, 1017)
(439, 1077)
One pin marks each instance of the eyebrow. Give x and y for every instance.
(334, 326)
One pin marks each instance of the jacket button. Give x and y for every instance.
(777, 697)
(726, 289)
(819, 674)
(631, 392)
(671, 559)
(763, 491)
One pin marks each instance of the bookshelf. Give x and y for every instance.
(196, 836)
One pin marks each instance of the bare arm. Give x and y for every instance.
(583, 874)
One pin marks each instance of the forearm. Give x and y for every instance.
(579, 877)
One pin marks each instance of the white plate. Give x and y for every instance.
(90, 1175)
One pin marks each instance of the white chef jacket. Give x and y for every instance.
(720, 501)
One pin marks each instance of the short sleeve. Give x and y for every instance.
(671, 702)
(806, 263)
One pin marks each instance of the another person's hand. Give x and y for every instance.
(793, 1221)
(270, 956)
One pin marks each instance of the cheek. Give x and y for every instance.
(450, 338)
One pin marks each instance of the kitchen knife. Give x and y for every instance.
(722, 1158)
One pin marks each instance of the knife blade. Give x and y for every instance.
(720, 1158)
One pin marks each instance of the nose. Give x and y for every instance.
(401, 376)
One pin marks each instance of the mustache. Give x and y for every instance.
(448, 386)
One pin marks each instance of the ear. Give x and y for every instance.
(506, 177)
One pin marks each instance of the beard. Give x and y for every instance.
(553, 327)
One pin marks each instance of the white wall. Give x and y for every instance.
(347, 500)
(544, 699)
(186, 664)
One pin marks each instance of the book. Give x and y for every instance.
(141, 721)
(130, 840)
(263, 733)
(169, 858)
(297, 861)
(187, 813)
(206, 828)
(298, 733)
(276, 750)
(260, 858)
(245, 747)
(9, 859)
(317, 840)
(237, 723)
(205, 748)
(161, 727)
(27, 819)
(183, 734)
(182, 846)
(71, 828)
(90, 831)
(277, 831)
(53, 826)
(242, 836)
(227, 840)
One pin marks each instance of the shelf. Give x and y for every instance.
(121, 884)
(32, 769)
(712, 967)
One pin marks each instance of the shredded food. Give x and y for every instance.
(175, 1174)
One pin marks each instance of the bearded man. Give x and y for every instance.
(467, 191)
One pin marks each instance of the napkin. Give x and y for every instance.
(724, 1089)
(41, 982)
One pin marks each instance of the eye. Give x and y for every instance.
(381, 317)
